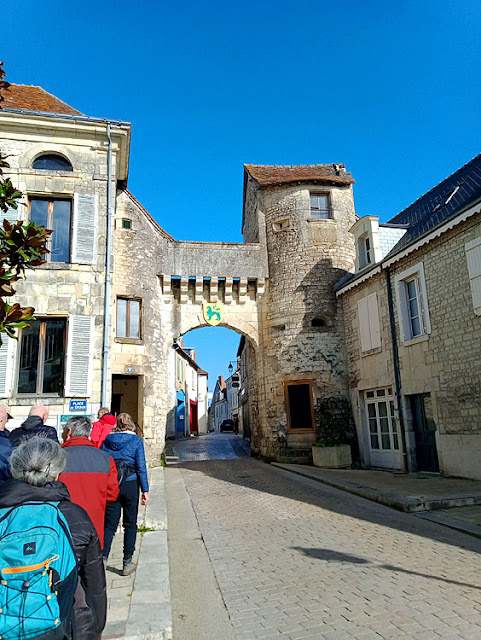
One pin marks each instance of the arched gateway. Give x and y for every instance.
(276, 289)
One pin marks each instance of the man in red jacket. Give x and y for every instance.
(102, 428)
(90, 474)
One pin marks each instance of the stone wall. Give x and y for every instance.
(305, 257)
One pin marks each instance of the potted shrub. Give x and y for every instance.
(332, 450)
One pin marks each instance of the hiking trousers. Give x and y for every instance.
(127, 504)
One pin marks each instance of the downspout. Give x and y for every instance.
(108, 267)
(397, 374)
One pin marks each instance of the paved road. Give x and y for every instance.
(298, 560)
(214, 446)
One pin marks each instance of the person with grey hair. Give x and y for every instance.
(90, 474)
(35, 466)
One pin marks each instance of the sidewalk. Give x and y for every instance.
(139, 605)
(452, 502)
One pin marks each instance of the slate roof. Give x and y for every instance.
(31, 98)
(436, 207)
(441, 203)
(271, 175)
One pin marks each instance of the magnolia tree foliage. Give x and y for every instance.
(22, 247)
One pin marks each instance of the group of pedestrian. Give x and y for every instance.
(60, 506)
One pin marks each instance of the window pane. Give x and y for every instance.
(386, 441)
(52, 162)
(134, 329)
(395, 440)
(371, 409)
(61, 231)
(121, 318)
(382, 409)
(384, 422)
(29, 345)
(39, 212)
(299, 398)
(54, 350)
(415, 327)
(370, 394)
(374, 442)
(372, 425)
(381, 392)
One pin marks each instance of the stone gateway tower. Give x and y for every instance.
(302, 216)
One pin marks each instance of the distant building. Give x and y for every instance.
(189, 394)
(219, 407)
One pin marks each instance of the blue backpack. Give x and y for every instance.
(37, 557)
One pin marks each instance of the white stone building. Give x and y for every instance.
(413, 332)
(68, 167)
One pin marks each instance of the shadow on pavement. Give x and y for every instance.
(260, 476)
(329, 555)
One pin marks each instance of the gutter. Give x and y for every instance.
(66, 116)
(108, 268)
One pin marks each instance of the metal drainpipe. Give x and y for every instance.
(106, 350)
(397, 374)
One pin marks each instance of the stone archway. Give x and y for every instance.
(182, 310)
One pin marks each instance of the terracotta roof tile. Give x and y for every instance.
(270, 175)
(24, 96)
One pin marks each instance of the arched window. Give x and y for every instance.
(52, 162)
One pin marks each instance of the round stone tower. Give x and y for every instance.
(302, 215)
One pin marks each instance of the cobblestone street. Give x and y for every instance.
(295, 559)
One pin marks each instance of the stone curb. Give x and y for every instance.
(150, 614)
(390, 499)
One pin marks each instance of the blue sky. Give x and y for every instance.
(392, 90)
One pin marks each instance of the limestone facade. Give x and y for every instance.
(441, 366)
(71, 292)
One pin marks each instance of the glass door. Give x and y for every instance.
(383, 430)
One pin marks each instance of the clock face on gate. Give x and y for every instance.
(213, 312)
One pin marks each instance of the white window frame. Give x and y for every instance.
(473, 257)
(390, 401)
(401, 280)
(365, 249)
(320, 194)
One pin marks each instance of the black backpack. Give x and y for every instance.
(124, 469)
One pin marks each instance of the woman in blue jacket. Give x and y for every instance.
(127, 449)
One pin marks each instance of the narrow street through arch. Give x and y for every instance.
(257, 552)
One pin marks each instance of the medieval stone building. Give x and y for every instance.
(311, 359)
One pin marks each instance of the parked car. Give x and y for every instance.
(227, 425)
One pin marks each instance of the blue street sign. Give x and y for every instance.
(78, 405)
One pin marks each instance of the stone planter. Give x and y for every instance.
(332, 457)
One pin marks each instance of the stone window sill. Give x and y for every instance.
(423, 338)
(129, 340)
(371, 352)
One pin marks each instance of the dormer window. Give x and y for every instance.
(320, 208)
(52, 162)
(365, 251)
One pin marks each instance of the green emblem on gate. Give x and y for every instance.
(213, 312)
